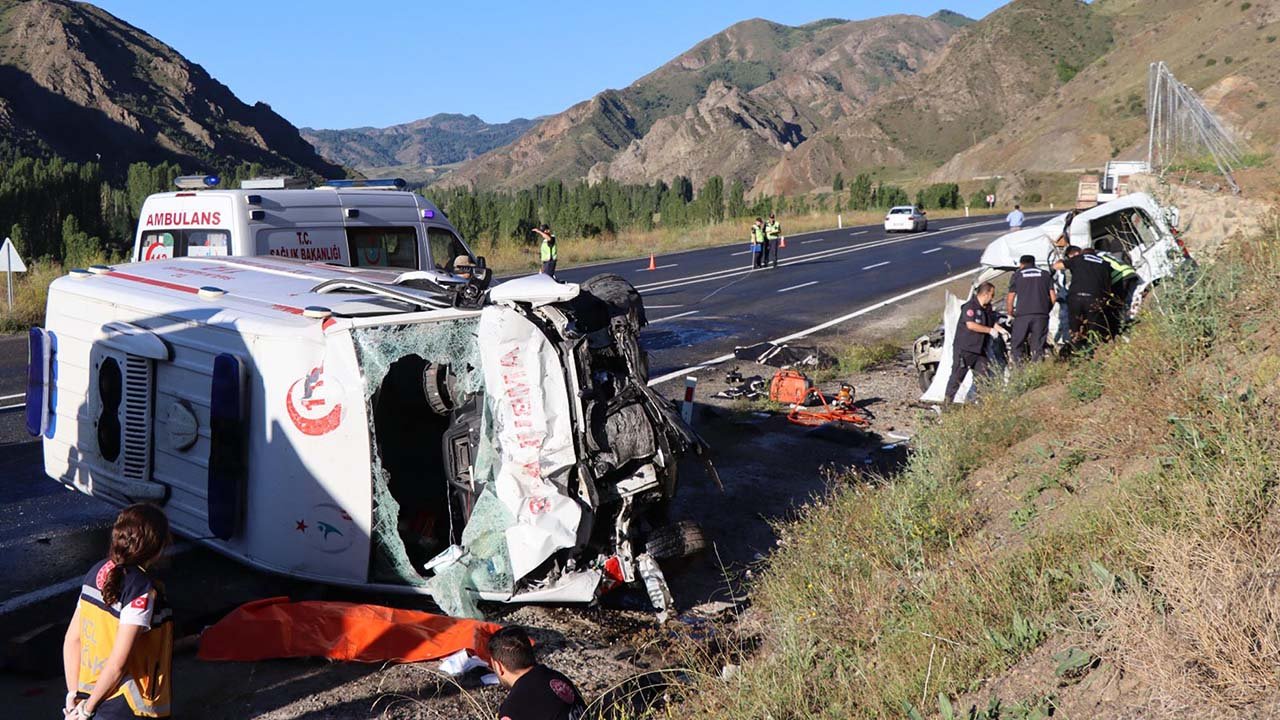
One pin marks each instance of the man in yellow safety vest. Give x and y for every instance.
(757, 243)
(772, 231)
(549, 252)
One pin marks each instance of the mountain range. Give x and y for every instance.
(77, 82)
(1035, 86)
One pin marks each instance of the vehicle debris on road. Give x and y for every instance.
(785, 356)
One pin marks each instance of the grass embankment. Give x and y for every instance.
(30, 290)
(506, 257)
(1126, 500)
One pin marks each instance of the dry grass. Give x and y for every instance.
(30, 292)
(884, 595)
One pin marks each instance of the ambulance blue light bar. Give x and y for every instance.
(196, 182)
(385, 183)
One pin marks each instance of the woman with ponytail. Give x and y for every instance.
(119, 647)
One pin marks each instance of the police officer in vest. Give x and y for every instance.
(1031, 297)
(549, 252)
(757, 243)
(772, 231)
(976, 328)
(1088, 292)
(1123, 279)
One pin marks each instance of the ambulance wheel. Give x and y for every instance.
(925, 375)
(675, 541)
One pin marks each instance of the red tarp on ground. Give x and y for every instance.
(277, 628)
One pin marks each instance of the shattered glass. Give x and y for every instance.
(451, 343)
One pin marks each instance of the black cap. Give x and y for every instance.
(1027, 260)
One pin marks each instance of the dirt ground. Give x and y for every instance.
(768, 467)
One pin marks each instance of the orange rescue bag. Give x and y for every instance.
(277, 628)
(790, 387)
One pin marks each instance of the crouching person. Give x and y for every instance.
(976, 328)
(536, 691)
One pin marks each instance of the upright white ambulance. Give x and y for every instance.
(359, 223)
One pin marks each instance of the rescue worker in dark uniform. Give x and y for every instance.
(1031, 297)
(536, 691)
(1123, 279)
(1087, 294)
(757, 243)
(976, 328)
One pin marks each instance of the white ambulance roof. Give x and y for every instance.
(319, 197)
(262, 291)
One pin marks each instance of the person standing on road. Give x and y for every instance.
(536, 691)
(549, 252)
(118, 651)
(757, 243)
(1031, 297)
(772, 231)
(1016, 218)
(976, 328)
(1087, 294)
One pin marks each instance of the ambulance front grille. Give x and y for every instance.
(136, 463)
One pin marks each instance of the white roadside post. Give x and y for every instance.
(840, 222)
(686, 408)
(12, 263)
(966, 211)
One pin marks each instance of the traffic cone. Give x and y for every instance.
(653, 263)
(782, 241)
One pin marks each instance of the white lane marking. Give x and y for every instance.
(13, 407)
(821, 326)
(879, 264)
(56, 589)
(14, 396)
(797, 287)
(660, 307)
(926, 252)
(830, 252)
(673, 317)
(659, 267)
(806, 242)
(744, 252)
(860, 232)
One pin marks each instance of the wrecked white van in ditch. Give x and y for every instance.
(1133, 228)
(366, 428)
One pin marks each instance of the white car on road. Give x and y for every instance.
(905, 218)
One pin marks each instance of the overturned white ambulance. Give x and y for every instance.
(369, 428)
(1134, 229)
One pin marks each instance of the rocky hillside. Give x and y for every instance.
(988, 75)
(413, 149)
(77, 82)
(732, 105)
(1227, 51)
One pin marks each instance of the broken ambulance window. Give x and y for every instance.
(383, 247)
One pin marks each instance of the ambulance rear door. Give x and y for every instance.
(185, 224)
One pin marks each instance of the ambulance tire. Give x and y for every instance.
(676, 541)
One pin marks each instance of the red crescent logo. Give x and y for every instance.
(156, 251)
(305, 412)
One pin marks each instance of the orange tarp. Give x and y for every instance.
(277, 628)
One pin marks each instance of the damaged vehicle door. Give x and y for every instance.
(560, 460)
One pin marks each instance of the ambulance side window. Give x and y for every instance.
(446, 248)
(383, 247)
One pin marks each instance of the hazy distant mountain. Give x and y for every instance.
(77, 82)
(412, 148)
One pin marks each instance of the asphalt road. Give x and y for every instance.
(700, 304)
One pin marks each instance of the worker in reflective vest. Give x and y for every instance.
(772, 232)
(1123, 280)
(549, 251)
(757, 243)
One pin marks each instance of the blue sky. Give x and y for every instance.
(335, 64)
